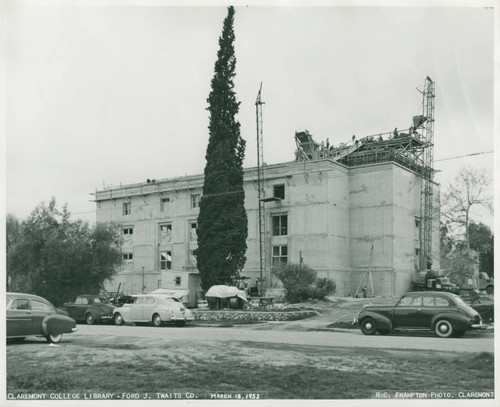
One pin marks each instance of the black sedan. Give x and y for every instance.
(90, 308)
(443, 313)
(31, 315)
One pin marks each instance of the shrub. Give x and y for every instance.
(301, 283)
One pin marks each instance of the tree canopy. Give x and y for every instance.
(222, 222)
(57, 258)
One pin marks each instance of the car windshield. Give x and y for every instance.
(101, 299)
(459, 300)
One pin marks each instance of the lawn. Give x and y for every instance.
(173, 369)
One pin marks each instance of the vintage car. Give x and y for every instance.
(90, 308)
(444, 313)
(31, 315)
(155, 309)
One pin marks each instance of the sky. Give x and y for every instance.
(99, 96)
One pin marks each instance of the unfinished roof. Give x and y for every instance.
(405, 147)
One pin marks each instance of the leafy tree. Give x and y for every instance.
(302, 283)
(58, 258)
(482, 242)
(222, 222)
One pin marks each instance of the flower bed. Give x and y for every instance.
(230, 315)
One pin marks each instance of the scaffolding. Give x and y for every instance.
(261, 192)
(412, 148)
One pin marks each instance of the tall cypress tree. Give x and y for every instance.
(222, 221)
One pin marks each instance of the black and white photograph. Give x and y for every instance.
(270, 203)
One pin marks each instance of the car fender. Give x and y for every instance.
(458, 322)
(164, 313)
(57, 324)
(124, 312)
(382, 321)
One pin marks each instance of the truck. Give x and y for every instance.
(429, 280)
(481, 281)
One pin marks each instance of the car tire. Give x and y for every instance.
(180, 323)
(489, 290)
(89, 319)
(54, 338)
(118, 319)
(368, 326)
(156, 321)
(444, 329)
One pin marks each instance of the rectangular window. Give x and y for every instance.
(279, 191)
(127, 256)
(280, 225)
(177, 281)
(280, 255)
(127, 208)
(192, 231)
(195, 201)
(163, 203)
(128, 231)
(166, 260)
(166, 233)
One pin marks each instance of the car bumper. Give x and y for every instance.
(74, 329)
(478, 326)
(106, 318)
(181, 318)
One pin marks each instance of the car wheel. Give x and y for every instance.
(489, 290)
(444, 329)
(180, 323)
(368, 326)
(54, 338)
(383, 331)
(89, 319)
(156, 320)
(118, 319)
(459, 334)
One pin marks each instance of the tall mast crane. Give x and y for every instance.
(426, 196)
(260, 186)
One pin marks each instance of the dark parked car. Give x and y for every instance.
(31, 315)
(90, 308)
(444, 313)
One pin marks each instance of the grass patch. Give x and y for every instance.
(275, 371)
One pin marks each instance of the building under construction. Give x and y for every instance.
(364, 213)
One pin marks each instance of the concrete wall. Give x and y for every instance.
(335, 215)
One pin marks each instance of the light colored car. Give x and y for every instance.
(31, 315)
(156, 309)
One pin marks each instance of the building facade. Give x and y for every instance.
(340, 220)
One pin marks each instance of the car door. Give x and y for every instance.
(137, 310)
(407, 312)
(39, 310)
(19, 318)
(148, 308)
(74, 308)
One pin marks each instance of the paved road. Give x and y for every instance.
(472, 342)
